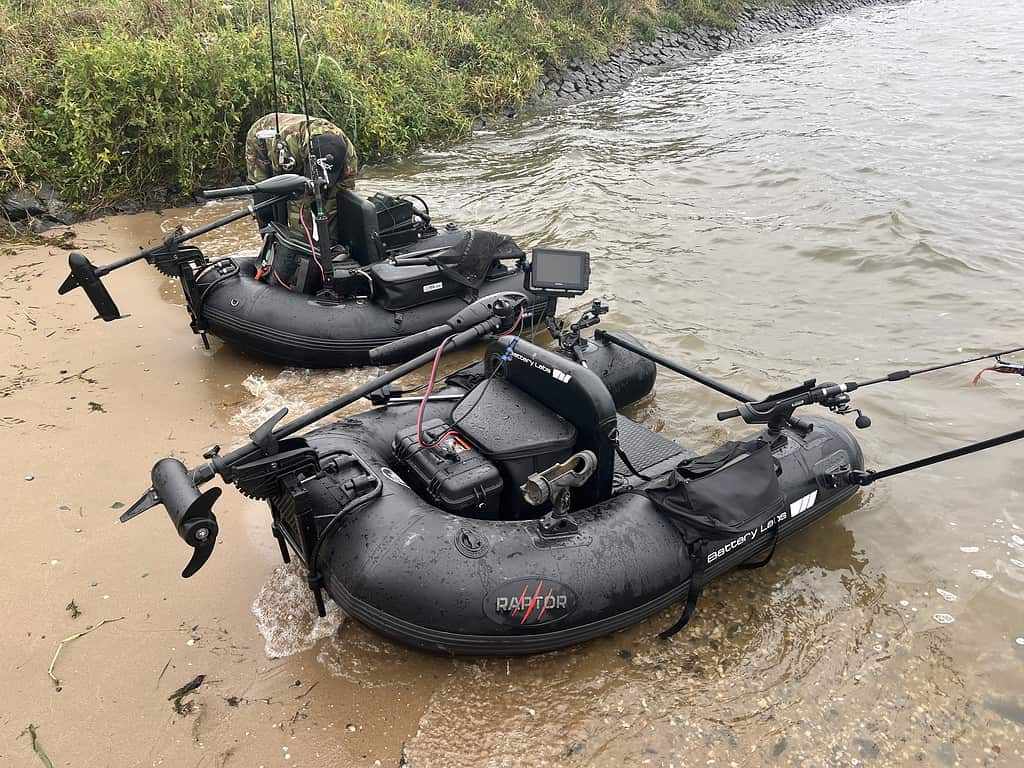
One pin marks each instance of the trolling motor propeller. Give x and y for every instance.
(175, 487)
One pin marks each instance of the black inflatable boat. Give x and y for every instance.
(385, 273)
(515, 510)
(447, 555)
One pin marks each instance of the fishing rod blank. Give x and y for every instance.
(867, 477)
(273, 69)
(901, 375)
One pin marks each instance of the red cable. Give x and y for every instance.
(430, 388)
(426, 395)
(512, 332)
(312, 248)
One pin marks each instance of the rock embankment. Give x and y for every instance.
(580, 79)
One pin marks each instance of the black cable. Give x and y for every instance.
(460, 369)
(426, 208)
(454, 425)
(486, 383)
(336, 521)
(210, 287)
(629, 465)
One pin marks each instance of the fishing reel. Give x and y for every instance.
(839, 404)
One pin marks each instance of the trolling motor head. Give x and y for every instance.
(282, 184)
(499, 307)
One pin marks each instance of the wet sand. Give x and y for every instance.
(85, 409)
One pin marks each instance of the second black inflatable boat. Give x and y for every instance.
(387, 274)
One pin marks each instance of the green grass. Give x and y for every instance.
(112, 99)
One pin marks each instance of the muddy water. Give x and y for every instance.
(841, 202)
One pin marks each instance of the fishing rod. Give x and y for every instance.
(317, 165)
(273, 69)
(776, 411)
(836, 397)
(901, 375)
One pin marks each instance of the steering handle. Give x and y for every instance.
(282, 184)
(213, 194)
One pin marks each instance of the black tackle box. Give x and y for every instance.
(514, 431)
(454, 475)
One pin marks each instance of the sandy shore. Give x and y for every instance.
(82, 404)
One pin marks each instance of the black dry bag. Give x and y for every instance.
(717, 499)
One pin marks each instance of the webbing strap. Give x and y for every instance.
(698, 556)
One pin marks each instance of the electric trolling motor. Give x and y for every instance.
(273, 456)
(169, 257)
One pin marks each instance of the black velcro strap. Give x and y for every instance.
(749, 566)
(698, 556)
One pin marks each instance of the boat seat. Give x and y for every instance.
(356, 227)
(572, 391)
(645, 448)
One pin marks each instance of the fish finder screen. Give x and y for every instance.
(566, 273)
